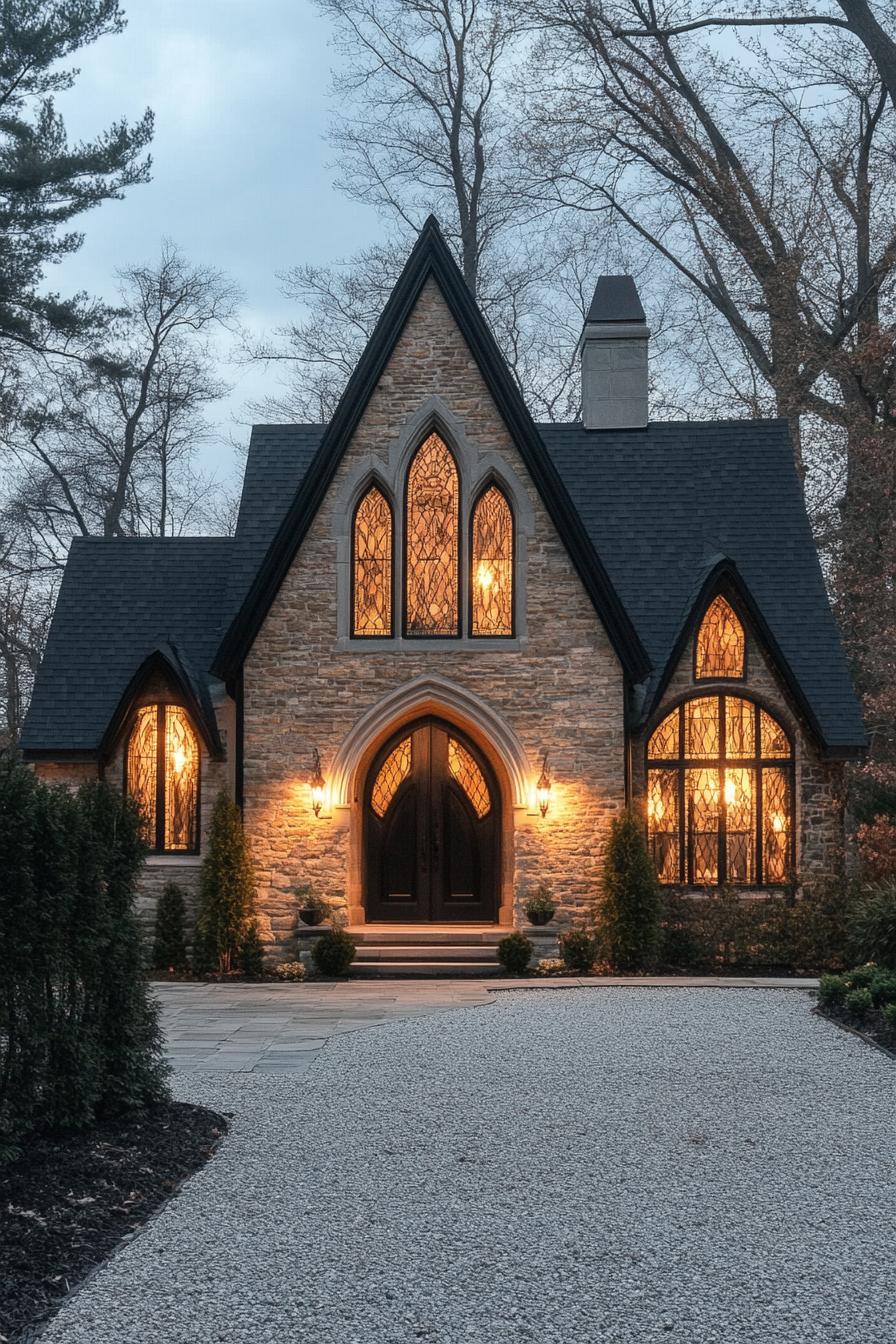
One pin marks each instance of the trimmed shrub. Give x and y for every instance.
(890, 1017)
(226, 891)
(858, 1004)
(169, 948)
(80, 1035)
(873, 934)
(831, 991)
(515, 953)
(578, 949)
(333, 953)
(883, 988)
(251, 958)
(631, 905)
(860, 977)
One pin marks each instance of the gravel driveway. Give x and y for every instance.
(600, 1164)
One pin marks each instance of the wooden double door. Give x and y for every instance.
(432, 829)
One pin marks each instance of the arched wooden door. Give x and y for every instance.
(432, 829)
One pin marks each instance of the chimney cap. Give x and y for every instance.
(616, 300)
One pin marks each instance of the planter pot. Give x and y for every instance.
(540, 917)
(311, 916)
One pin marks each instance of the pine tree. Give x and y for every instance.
(631, 906)
(226, 890)
(169, 949)
(46, 181)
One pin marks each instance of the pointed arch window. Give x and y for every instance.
(162, 776)
(432, 545)
(720, 647)
(372, 567)
(491, 575)
(720, 794)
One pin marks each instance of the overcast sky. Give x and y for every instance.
(240, 178)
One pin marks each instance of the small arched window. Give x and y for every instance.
(432, 546)
(372, 567)
(162, 765)
(491, 579)
(720, 647)
(720, 795)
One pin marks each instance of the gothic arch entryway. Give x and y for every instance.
(432, 828)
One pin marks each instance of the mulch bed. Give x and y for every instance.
(67, 1202)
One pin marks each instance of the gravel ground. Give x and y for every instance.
(602, 1164)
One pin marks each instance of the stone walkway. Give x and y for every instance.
(282, 1028)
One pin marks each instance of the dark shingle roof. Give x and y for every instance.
(120, 599)
(279, 456)
(665, 504)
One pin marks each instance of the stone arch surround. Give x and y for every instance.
(444, 699)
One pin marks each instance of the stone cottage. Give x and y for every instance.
(446, 645)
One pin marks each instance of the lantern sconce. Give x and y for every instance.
(318, 786)
(543, 788)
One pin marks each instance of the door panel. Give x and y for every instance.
(431, 839)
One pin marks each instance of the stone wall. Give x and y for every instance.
(560, 689)
(820, 846)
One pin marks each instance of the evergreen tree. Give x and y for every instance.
(226, 890)
(252, 952)
(169, 949)
(631, 906)
(45, 181)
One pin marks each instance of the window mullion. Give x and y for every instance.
(723, 806)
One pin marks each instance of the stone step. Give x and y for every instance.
(424, 970)
(370, 952)
(458, 935)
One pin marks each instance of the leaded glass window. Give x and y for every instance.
(720, 794)
(720, 648)
(162, 766)
(372, 577)
(392, 773)
(492, 565)
(465, 770)
(432, 513)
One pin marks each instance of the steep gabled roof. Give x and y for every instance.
(666, 503)
(120, 601)
(430, 257)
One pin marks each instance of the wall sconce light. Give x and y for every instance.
(318, 785)
(543, 788)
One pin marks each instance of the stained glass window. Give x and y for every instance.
(163, 776)
(181, 780)
(143, 767)
(431, 541)
(719, 794)
(720, 643)
(464, 769)
(492, 567)
(394, 769)
(373, 566)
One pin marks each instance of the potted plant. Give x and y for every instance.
(312, 909)
(540, 906)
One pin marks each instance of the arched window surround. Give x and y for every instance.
(720, 689)
(156, 842)
(478, 467)
(731, 600)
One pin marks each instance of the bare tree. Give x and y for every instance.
(107, 446)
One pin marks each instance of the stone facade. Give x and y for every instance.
(560, 689)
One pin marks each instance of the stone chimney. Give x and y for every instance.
(613, 350)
